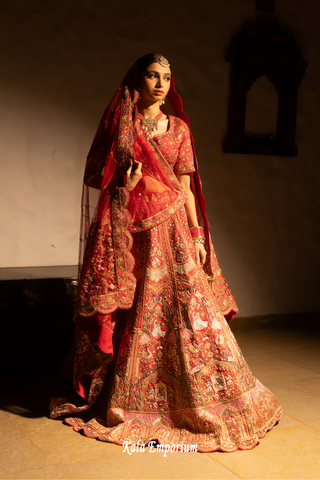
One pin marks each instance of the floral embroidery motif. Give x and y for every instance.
(179, 373)
(107, 281)
(175, 146)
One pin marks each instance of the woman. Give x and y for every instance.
(154, 358)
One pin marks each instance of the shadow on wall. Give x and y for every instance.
(62, 63)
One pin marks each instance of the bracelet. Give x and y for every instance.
(198, 240)
(197, 226)
(197, 232)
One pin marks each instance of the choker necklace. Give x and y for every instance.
(149, 125)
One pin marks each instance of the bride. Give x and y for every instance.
(154, 357)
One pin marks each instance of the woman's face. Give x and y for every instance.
(155, 83)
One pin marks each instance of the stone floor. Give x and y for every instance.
(285, 359)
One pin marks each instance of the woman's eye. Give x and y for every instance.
(167, 79)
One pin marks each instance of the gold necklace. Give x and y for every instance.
(149, 125)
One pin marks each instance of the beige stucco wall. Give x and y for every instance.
(60, 63)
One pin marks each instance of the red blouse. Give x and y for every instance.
(175, 145)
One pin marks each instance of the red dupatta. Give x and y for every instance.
(110, 212)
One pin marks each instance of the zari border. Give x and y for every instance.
(123, 294)
(122, 241)
(175, 436)
(159, 217)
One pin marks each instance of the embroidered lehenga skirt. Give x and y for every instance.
(178, 375)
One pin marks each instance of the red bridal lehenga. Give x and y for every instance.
(154, 357)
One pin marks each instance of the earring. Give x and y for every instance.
(162, 102)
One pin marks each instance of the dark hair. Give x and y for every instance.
(146, 60)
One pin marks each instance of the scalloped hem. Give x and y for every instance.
(179, 438)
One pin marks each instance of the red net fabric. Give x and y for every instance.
(110, 213)
(100, 168)
(155, 192)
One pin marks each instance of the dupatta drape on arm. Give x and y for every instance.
(110, 214)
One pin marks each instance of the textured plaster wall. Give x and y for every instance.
(60, 63)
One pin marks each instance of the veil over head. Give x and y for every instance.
(177, 370)
(110, 213)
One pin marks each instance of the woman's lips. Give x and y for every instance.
(158, 92)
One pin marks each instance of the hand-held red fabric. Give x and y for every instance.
(153, 352)
(115, 143)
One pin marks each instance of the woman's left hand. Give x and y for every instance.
(200, 253)
(133, 177)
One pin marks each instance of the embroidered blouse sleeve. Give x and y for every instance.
(185, 161)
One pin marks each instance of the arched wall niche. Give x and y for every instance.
(264, 49)
(262, 106)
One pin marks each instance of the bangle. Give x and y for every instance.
(197, 232)
(198, 240)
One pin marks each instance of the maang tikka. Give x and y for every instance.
(163, 61)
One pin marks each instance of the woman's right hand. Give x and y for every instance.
(133, 177)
